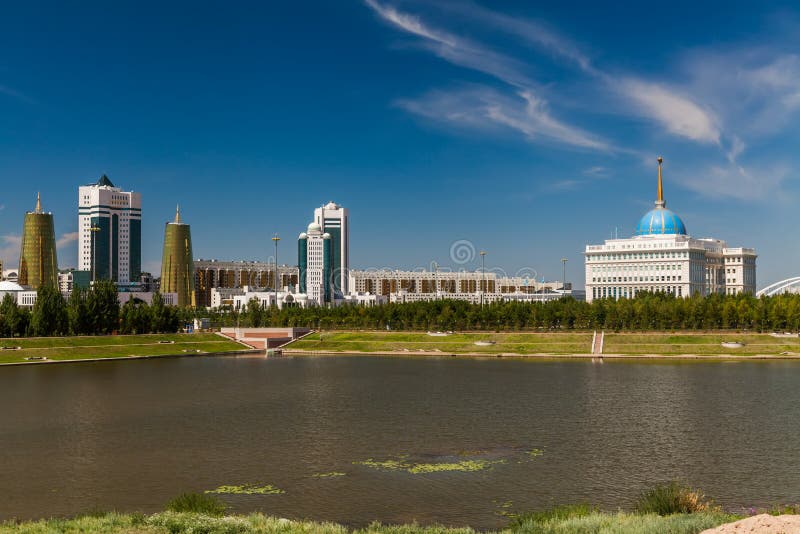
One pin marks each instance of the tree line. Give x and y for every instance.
(94, 311)
(648, 311)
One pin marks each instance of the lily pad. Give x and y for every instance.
(328, 475)
(420, 468)
(247, 489)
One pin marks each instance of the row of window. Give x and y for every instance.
(614, 279)
(630, 292)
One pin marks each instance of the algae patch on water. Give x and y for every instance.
(247, 489)
(332, 474)
(402, 464)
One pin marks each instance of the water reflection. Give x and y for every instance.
(131, 435)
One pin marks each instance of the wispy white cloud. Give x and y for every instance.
(484, 108)
(736, 148)
(4, 89)
(720, 98)
(529, 31)
(598, 171)
(754, 183)
(526, 112)
(66, 239)
(457, 50)
(755, 90)
(677, 113)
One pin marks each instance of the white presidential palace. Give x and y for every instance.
(662, 256)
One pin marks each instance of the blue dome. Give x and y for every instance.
(660, 221)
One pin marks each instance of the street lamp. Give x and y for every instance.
(436, 281)
(563, 274)
(483, 274)
(275, 240)
(94, 229)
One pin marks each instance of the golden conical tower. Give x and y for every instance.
(38, 262)
(177, 265)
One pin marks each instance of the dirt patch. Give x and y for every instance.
(763, 523)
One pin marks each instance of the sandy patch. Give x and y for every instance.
(763, 523)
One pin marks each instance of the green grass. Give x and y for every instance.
(393, 342)
(197, 503)
(672, 498)
(563, 522)
(83, 347)
(625, 523)
(700, 344)
(555, 344)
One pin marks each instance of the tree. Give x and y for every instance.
(77, 312)
(16, 319)
(135, 317)
(49, 315)
(102, 305)
(255, 313)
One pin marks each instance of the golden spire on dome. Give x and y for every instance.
(38, 202)
(660, 202)
(178, 213)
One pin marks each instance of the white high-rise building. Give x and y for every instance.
(663, 257)
(335, 220)
(315, 265)
(109, 232)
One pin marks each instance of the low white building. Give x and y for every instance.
(662, 257)
(24, 297)
(267, 298)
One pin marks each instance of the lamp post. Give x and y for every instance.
(436, 281)
(483, 274)
(275, 240)
(563, 274)
(94, 229)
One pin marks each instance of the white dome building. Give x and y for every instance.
(662, 257)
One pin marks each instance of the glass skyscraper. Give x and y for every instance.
(109, 232)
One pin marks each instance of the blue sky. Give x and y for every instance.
(527, 128)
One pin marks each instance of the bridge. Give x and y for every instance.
(790, 285)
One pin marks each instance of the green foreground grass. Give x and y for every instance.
(87, 347)
(658, 343)
(174, 522)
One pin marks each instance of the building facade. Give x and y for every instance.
(334, 220)
(177, 266)
(471, 286)
(215, 274)
(38, 262)
(316, 265)
(663, 257)
(109, 232)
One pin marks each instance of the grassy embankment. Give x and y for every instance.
(556, 344)
(169, 522)
(670, 507)
(87, 347)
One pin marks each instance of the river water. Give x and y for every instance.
(130, 435)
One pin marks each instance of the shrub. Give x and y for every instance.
(557, 513)
(197, 503)
(672, 498)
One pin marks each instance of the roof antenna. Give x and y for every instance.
(660, 202)
(178, 213)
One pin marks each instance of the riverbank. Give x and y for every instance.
(172, 522)
(653, 345)
(24, 351)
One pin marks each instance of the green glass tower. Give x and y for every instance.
(38, 264)
(177, 265)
